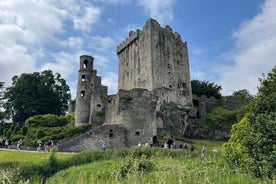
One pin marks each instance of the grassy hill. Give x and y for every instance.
(141, 165)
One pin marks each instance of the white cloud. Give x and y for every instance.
(162, 11)
(14, 60)
(72, 42)
(111, 80)
(102, 43)
(87, 16)
(113, 1)
(254, 53)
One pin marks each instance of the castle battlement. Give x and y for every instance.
(132, 36)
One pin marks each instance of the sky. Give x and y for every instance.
(231, 43)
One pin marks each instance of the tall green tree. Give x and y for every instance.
(36, 94)
(206, 88)
(2, 114)
(253, 144)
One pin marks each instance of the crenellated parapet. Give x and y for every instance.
(133, 35)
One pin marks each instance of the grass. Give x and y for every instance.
(28, 157)
(141, 165)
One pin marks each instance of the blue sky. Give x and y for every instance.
(230, 43)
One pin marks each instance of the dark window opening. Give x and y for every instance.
(127, 74)
(110, 130)
(170, 86)
(83, 78)
(98, 105)
(111, 135)
(137, 133)
(82, 93)
(85, 63)
(195, 103)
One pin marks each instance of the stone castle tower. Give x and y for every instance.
(156, 59)
(154, 91)
(91, 94)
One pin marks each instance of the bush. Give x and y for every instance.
(220, 117)
(8, 134)
(48, 120)
(39, 133)
(252, 144)
(16, 129)
(24, 130)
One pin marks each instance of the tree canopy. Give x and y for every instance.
(206, 88)
(252, 144)
(2, 114)
(36, 94)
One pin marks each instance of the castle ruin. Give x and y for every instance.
(154, 92)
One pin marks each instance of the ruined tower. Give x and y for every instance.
(156, 59)
(91, 94)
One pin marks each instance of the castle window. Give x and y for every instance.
(170, 86)
(82, 93)
(98, 105)
(85, 64)
(127, 74)
(137, 133)
(110, 133)
(126, 64)
(83, 78)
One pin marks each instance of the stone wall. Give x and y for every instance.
(114, 137)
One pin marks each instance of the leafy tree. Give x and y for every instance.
(206, 88)
(243, 95)
(36, 93)
(2, 114)
(220, 118)
(252, 144)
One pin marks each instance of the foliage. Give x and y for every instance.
(220, 118)
(254, 136)
(24, 130)
(47, 120)
(40, 133)
(2, 114)
(206, 88)
(46, 127)
(36, 94)
(127, 98)
(243, 95)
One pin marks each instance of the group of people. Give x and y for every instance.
(47, 145)
(4, 143)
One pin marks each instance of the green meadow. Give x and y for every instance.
(140, 165)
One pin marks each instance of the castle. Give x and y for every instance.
(154, 94)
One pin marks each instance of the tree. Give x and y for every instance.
(206, 88)
(252, 144)
(35, 94)
(243, 95)
(2, 114)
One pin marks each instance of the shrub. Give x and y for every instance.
(24, 130)
(8, 134)
(1, 130)
(16, 129)
(48, 120)
(39, 133)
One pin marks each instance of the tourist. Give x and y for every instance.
(185, 146)
(103, 146)
(39, 144)
(19, 144)
(193, 148)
